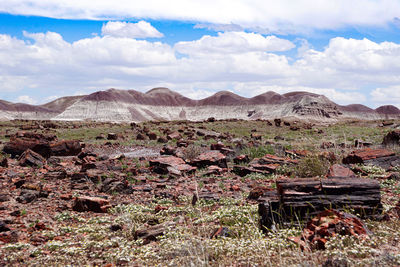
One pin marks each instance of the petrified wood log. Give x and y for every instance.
(299, 199)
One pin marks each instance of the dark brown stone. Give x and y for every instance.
(392, 138)
(30, 158)
(112, 136)
(95, 204)
(66, 148)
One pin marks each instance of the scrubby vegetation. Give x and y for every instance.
(220, 229)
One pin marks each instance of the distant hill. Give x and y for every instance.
(165, 104)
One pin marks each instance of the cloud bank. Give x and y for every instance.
(272, 16)
(245, 63)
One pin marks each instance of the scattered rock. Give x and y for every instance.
(18, 145)
(167, 164)
(207, 134)
(151, 233)
(257, 192)
(392, 138)
(243, 171)
(241, 159)
(361, 144)
(379, 157)
(394, 176)
(112, 136)
(95, 204)
(152, 136)
(328, 224)
(140, 137)
(162, 139)
(4, 227)
(338, 170)
(215, 170)
(66, 148)
(221, 232)
(115, 186)
(174, 135)
(212, 157)
(27, 196)
(278, 122)
(326, 145)
(4, 162)
(30, 158)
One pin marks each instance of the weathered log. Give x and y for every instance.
(299, 199)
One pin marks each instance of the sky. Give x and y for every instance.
(346, 50)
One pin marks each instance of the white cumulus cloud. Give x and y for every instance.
(387, 95)
(141, 29)
(26, 99)
(234, 42)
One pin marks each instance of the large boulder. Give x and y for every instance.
(17, 146)
(45, 145)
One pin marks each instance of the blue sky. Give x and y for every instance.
(350, 53)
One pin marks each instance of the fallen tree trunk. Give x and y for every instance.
(299, 199)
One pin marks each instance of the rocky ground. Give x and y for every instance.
(189, 193)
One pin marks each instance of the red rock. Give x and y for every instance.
(338, 170)
(30, 158)
(362, 155)
(257, 192)
(212, 157)
(95, 204)
(241, 159)
(17, 146)
(296, 153)
(66, 196)
(272, 159)
(159, 208)
(174, 135)
(215, 170)
(235, 187)
(243, 171)
(9, 237)
(167, 164)
(328, 224)
(66, 148)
